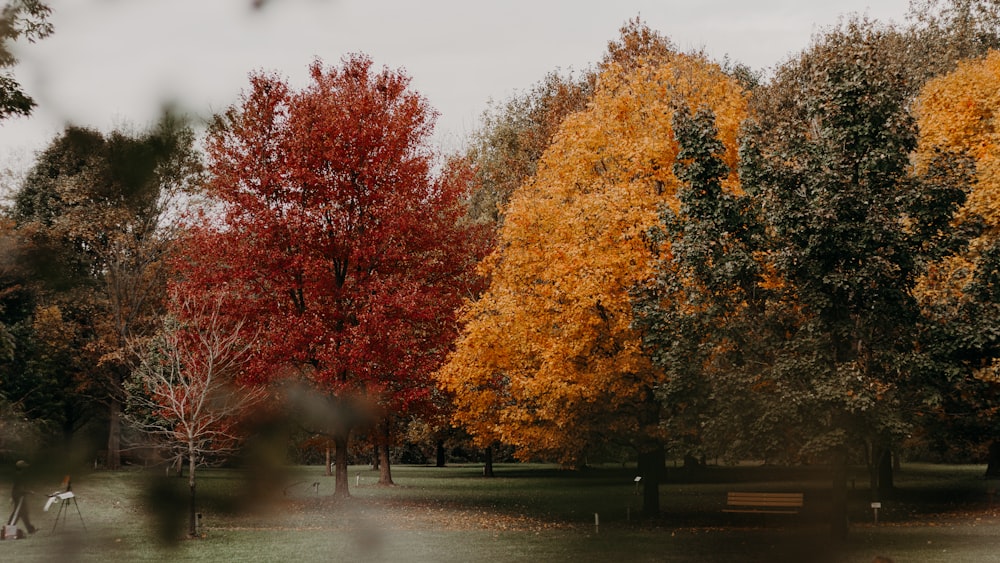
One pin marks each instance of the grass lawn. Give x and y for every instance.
(528, 513)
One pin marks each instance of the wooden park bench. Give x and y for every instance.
(763, 503)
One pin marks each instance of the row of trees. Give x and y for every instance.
(795, 269)
(305, 271)
(659, 254)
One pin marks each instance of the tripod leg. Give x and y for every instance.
(77, 505)
(56, 524)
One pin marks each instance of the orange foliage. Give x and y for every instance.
(958, 112)
(548, 361)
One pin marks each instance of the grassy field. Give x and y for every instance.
(527, 513)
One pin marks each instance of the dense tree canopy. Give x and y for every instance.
(684, 255)
(549, 361)
(706, 315)
(93, 219)
(854, 229)
(958, 294)
(337, 242)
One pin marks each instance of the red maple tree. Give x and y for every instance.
(336, 238)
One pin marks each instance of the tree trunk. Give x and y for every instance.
(993, 461)
(340, 461)
(329, 470)
(192, 513)
(384, 469)
(838, 496)
(68, 427)
(439, 453)
(880, 472)
(488, 466)
(114, 460)
(692, 463)
(886, 483)
(651, 464)
(873, 456)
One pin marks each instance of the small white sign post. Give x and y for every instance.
(875, 507)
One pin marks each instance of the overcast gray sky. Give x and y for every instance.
(117, 62)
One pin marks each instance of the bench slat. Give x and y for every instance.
(765, 503)
(754, 511)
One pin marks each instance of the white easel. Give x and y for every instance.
(64, 498)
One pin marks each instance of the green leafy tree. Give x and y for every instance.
(705, 315)
(19, 20)
(95, 220)
(853, 230)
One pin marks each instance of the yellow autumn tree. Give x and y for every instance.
(549, 361)
(957, 116)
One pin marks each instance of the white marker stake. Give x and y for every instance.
(875, 507)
